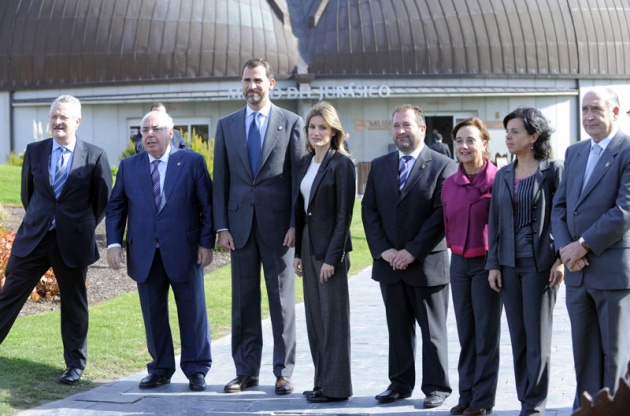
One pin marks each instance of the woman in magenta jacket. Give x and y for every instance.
(466, 202)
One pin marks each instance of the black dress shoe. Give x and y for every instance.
(283, 385)
(71, 375)
(197, 382)
(309, 392)
(390, 396)
(154, 380)
(433, 400)
(240, 383)
(318, 397)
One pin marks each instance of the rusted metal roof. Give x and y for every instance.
(69, 42)
(576, 38)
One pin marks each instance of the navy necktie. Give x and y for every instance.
(155, 177)
(253, 144)
(403, 171)
(61, 172)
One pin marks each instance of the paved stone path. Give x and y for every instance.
(369, 372)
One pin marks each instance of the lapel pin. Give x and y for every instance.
(179, 163)
(424, 165)
(279, 127)
(607, 163)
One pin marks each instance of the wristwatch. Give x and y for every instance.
(583, 244)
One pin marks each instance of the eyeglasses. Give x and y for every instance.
(59, 117)
(156, 129)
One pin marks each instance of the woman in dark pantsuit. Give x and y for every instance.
(466, 201)
(521, 257)
(323, 213)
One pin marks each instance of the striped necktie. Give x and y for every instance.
(155, 178)
(61, 172)
(403, 171)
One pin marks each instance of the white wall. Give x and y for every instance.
(105, 121)
(5, 125)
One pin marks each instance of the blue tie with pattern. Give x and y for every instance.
(253, 144)
(403, 171)
(155, 177)
(61, 172)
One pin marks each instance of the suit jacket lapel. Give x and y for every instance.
(274, 128)
(238, 135)
(320, 174)
(423, 160)
(44, 160)
(79, 159)
(605, 161)
(508, 181)
(143, 169)
(391, 173)
(173, 169)
(541, 177)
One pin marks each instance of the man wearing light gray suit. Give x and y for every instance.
(257, 150)
(591, 228)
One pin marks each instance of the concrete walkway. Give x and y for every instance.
(369, 372)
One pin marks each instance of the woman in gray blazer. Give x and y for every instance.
(521, 258)
(323, 213)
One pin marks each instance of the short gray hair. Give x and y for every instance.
(168, 120)
(68, 99)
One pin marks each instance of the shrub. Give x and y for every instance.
(46, 287)
(205, 148)
(130, 150)
(14, 159)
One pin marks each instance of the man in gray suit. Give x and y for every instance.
(256, 153)
(591, 229)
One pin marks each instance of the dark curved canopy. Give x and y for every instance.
(489, 37)
(54, 43)
(67, 42)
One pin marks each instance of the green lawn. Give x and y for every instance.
(10, 185)
(116, 341)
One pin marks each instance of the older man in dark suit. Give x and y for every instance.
(591, 229)
(256, 154)
(177, 141)
(402, 217)
(65, 187)
(164, 197)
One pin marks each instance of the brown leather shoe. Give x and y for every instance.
(283, 385)
(459, 409)
(477, 411)
(240, 383)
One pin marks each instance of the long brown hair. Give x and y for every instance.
(326, 111)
